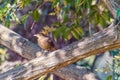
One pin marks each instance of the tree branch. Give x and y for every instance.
(73, 72)
(102, 41)
(27, 49)
(19, 44)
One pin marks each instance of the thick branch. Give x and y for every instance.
(70, 72)
(24, 47)
(99, 42)
(18, 44)
(73, 72)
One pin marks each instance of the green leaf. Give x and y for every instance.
(96, 19)
(27, 2)
(91, 15)
(106, 15)
(59, 32)
(80, 30)
(7, 23)
(65, 18)
(54, 3)
(75, 34)
(77, 2)
(102, 21)
(42, 77)
(66, 34)
(109, 77)
(24, 17)
(36, 15)
(89, 2)
(85, 4)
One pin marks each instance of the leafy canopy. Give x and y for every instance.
(72, 14)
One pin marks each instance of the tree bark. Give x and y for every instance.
(25, 48)
(19, 44)
(102, 41)
(70, 72)
(73, 72)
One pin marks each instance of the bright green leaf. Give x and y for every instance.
(36, 15)
(96, 19)
(102, 21)
(109, 77)
(7, 23)
(75, 34)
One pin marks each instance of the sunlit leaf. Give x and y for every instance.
(36, 15)
(42, 77)
(75, 34)
(7, 23)
(80, 30)
(109, 77)
(106, 15)
(102, 21)
(55, 3)
(67, 35)
(96, 19)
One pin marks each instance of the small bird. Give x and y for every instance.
(44, 42)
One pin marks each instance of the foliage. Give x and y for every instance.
(69, 12)
(113, 66)
(117, 66)
(75, 11)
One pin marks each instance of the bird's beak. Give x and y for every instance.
(36, 35)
